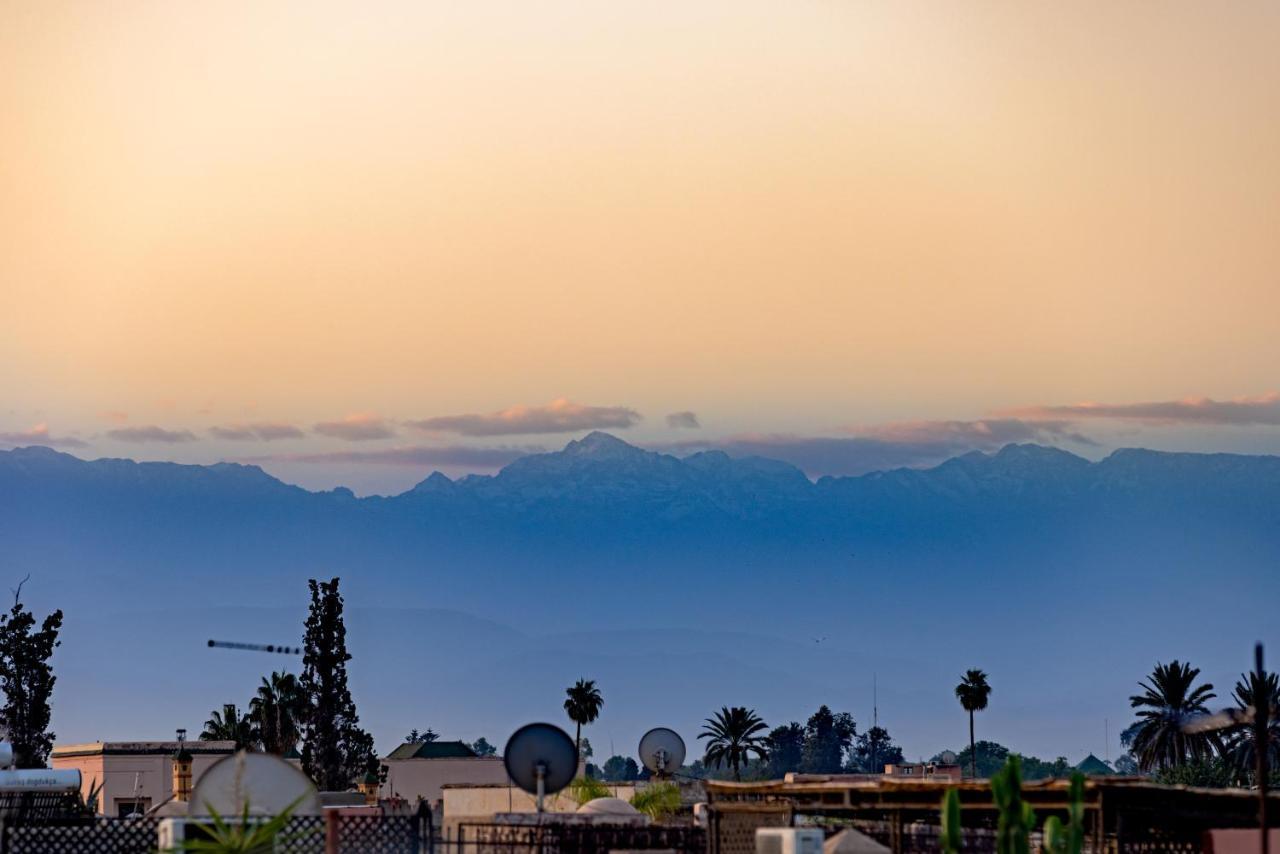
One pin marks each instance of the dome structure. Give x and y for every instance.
(608, 806)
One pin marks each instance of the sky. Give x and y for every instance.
(354, 244)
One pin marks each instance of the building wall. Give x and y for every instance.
(150, 774)
(480, 803)
(414, 779)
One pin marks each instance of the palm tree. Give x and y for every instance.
(1243, 747)
(278, 710)
(734, 734)
(972, 692)
(1167, 701)
(583, 707)
(230, 725)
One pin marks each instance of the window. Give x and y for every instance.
(128, 806)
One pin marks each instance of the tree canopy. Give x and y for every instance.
(336, 752)
(27, 680)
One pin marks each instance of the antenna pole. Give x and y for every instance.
(1261, 711)
(875, 722)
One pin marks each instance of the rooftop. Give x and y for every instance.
(126, 748)
(433, 750)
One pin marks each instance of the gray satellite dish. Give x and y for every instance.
(541, 759)
(266, 783)
(662, 751)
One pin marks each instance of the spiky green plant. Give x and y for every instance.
(1069, 839)
(584, 789)
(951, 840)
(659, 801)
(88, 803)
(247, 836)
(1016, 818)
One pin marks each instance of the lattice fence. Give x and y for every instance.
(357, 834)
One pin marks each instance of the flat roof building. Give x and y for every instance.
(134, 776)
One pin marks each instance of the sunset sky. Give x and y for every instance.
(355, 246)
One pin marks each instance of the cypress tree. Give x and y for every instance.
(336, 752)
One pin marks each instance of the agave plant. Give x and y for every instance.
(658, 801)
(248, 835)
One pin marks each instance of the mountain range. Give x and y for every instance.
(681, 584)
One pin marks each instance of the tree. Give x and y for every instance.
(873, 750)
(1127, 766)
(972, 692)
(27, 679)
(426, 737)
(585, 749)
(336, 752)
(621, 769)
(827, 737)
(230, 725)
(483, 748)
(1242, 748)
(785, 745)
(1168, 699)
(583, 703)
(277, 712)
(732, 736)
(984, 757)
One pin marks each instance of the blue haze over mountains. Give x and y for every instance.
(680, 585)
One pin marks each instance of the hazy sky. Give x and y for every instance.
(850, 234)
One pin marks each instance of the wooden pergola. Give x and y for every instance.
(1121, 813)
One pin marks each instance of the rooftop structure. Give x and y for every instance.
(135, 776)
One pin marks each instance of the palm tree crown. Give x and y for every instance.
(972, 692)
(278, 711)
(583, 706)
(1243, 746)
(230, 725)
(1168, 699)
(733, 735)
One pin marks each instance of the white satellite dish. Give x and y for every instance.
(265, 782)
(662, 751)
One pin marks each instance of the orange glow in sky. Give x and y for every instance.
(783, 217)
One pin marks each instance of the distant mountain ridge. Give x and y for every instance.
(1064, 578)
(601, 466)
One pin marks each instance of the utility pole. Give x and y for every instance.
(1261, 712)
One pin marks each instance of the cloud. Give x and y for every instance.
(446, 455)
(558, 416)
(909, 444)
(683, 421)
(115, 416)
(356, 428)
(151, 433)
(265, 431)
(967, 435)
(1240, 411)
(40, 435)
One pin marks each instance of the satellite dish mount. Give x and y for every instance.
(541, 759)
(662, 752)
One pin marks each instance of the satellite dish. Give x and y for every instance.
(267, 783)
(541, 759)
(662, 751)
